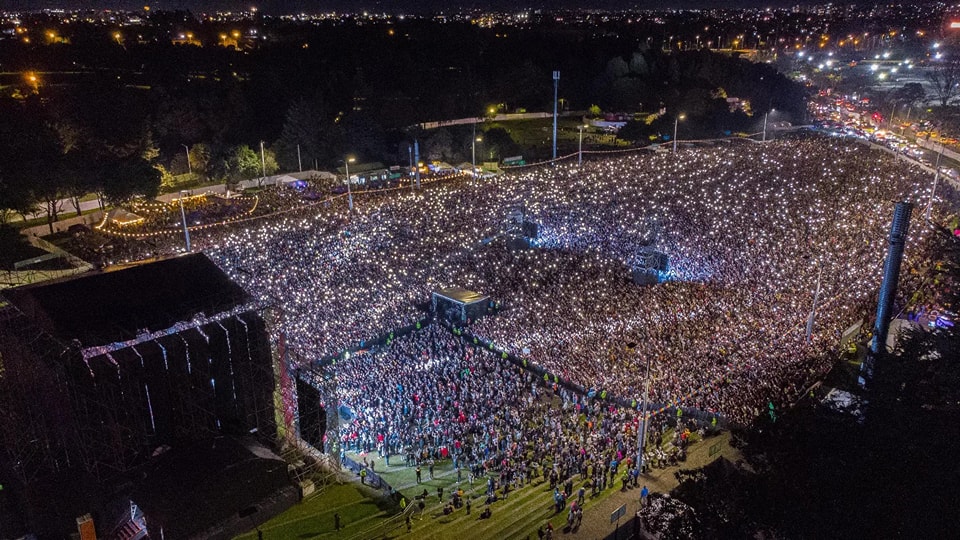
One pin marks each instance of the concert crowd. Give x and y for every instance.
(750, 232)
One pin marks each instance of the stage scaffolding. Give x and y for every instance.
(322, 456)
(107, 409)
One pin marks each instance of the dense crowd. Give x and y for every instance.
(750, 230)
(430, 395)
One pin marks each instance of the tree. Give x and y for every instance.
(77, 178)
(364, 136)
(241, 163)
(14, 199)
(127, 178)
(200, 158)
(307, 125)
(945, 78)
(439, 146)
(497, 142)
(910, 93)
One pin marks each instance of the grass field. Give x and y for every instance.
(367, 514)
(314, 517)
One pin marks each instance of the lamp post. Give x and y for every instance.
(765, 115)
(933, 190)
(186, 149)
(676, 125)
(474, 155)
(642, 433)
(346, 165)
(580, 148)
(410, 151)
(263, 161)
(183, 217)
(813, 310)
(556, 84)
(299, 163)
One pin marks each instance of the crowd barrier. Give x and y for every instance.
(371, 479)
(670, 409)
(382, 339)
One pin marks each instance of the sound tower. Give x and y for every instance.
(313, 417)
(531, 230)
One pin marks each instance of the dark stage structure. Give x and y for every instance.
(456, 304)
(99, 371)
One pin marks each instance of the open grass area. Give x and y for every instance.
(366, 514)
(524, 510)
(314, 517)
(42, 220)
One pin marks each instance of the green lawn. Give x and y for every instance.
(519, 515)
(365, 514)
(42, 220)
(313, 518)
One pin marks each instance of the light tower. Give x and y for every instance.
(556, 85)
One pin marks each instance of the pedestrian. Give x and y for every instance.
(403, 503)
(440, 492)
(468, 506)
(336, 521)
(431, 470)
(409, 525)
(363, 475)
(418, 474)
(644, 493)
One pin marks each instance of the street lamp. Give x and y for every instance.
(580, 151)
(642, 433)
(933, 190)
(765, 115)
(474, 155)
(556, 84)
(813, 310)
(346, 165)
(187, 150)
(183, 216)
(676, 123)
(263, 161)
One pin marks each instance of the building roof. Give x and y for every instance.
(359, 168)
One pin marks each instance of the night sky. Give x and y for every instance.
(312, 6)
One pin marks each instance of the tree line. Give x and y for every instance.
(120, 118)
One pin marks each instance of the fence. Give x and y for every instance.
(701, 416)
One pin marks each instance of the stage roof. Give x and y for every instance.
(101, 308)
(461, 295)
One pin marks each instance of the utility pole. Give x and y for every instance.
(263, 161)
(186, 149)
(299, 163)
(642, 434)
(813, 310)
(933, 190)
(410, 152)
(556, 85)
(183, 216)
(416, 157)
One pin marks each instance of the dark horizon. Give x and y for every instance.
(280, 7)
